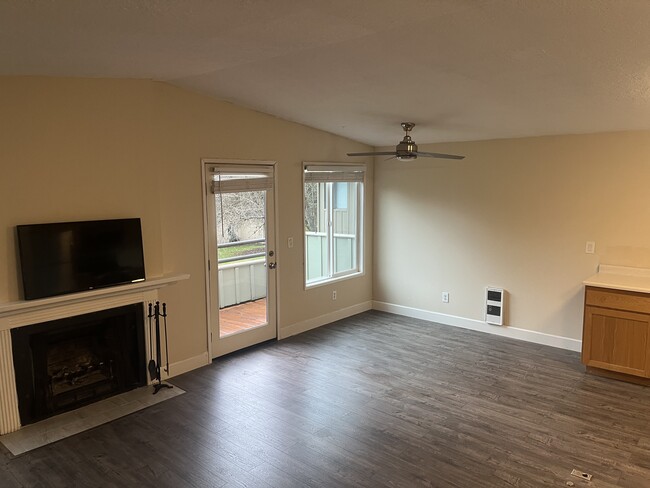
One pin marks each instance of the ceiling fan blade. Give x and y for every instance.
(439, 155)
(381, 153)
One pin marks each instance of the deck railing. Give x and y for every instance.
(242, 278)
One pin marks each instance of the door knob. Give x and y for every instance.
(273, 265)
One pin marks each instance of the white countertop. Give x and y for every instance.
(621, 278)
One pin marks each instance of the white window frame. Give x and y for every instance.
(331, 173)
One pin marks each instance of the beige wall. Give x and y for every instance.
(74, 149)
(514, 213)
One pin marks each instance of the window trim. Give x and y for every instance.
(345, 169)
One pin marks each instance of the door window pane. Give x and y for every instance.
(241, 247)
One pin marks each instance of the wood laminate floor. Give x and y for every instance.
(370, 401)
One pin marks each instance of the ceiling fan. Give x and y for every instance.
(407, 149)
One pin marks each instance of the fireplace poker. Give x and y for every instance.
(164, 315)
(152, 363)
(160, 385)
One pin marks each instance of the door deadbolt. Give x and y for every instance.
(271, 253)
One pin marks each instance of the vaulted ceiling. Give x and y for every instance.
(460, 69)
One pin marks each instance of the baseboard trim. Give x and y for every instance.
(327, 318)
(472, 324)
(186, 365)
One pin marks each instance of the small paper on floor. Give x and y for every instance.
(581, 475)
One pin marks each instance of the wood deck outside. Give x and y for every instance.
(242, 317)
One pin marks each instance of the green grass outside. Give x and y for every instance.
(241, 250)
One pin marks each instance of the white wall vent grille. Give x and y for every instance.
(495, 302)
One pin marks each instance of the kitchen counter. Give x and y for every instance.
(616, 324)
(620, 278)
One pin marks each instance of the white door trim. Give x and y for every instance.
(206, 245)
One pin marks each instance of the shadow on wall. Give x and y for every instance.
(635, 257)
(569, 314)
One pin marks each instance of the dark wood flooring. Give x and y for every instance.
(370, 401)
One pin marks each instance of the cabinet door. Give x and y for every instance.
(616, 340)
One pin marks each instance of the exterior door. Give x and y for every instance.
(241, 256)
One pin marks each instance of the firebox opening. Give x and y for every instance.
(64, 364)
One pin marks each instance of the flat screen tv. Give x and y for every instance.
(70, 257)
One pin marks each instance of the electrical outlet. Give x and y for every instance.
(290, 242)
(590, 247)
(445, 297)
(334, 295)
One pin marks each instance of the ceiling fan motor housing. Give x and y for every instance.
(406, 148)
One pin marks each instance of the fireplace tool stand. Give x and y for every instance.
(154, 364)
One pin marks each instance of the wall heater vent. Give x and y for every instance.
(495, 302)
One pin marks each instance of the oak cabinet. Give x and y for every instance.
(616, 331)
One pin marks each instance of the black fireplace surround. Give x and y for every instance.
(64, 364)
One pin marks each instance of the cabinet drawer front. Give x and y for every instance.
(620, 300)
(618, 341)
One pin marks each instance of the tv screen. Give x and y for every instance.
(69, 257)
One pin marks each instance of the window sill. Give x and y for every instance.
(329, 281)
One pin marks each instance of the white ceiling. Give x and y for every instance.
(460, 69)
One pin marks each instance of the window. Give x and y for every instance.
(340, 195)
(333, 212)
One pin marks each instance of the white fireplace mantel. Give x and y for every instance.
(27, 312)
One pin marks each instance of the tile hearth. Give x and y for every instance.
(85, 418)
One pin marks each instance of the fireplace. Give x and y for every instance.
(63, 364)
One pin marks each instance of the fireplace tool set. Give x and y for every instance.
(154, 364)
